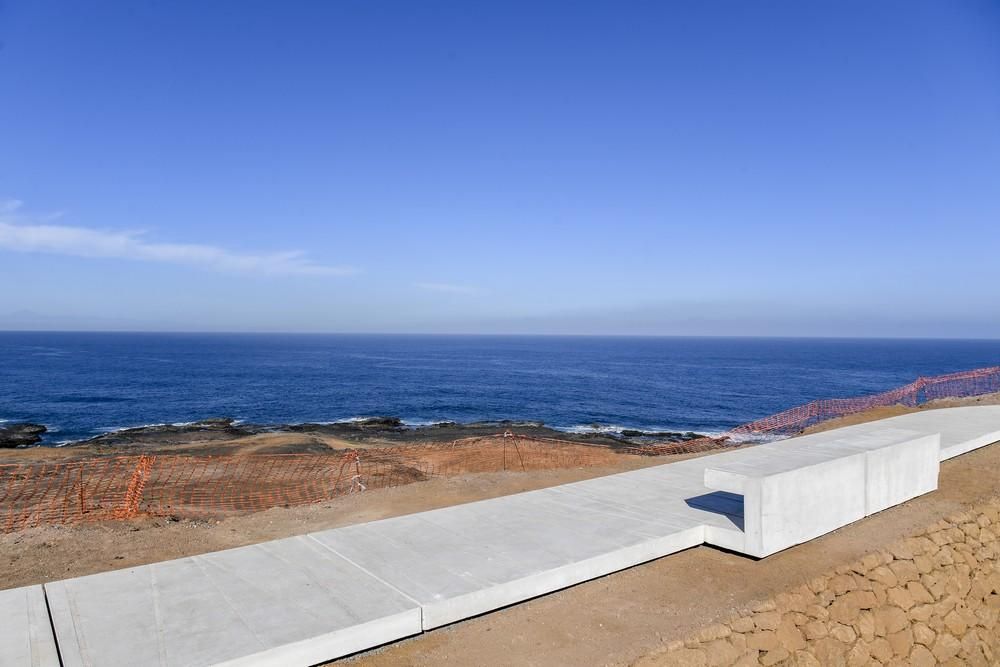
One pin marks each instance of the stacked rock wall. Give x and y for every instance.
(930, 599)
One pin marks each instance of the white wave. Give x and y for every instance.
(420, 423)
(346, 420)
(329, 422)
(117, 429)
(755, 439)
(618, 429)
(585, 429)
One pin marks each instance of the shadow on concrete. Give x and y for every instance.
(729, 505)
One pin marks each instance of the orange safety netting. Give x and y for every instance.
(918, 392)
(120, 487)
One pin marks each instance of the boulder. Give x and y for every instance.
(21, 435)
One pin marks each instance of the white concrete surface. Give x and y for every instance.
(287, 602)
(25, 632)
(317, 597)
(473, 558)
(900, 471)
(962, 429)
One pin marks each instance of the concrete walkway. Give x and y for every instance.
(307, 599)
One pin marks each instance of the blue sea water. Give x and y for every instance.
(82, 384)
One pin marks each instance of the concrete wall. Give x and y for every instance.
(931, 599)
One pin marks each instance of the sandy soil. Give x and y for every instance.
(197, 486)
(37, 555)
(293, 443)
(261, 443)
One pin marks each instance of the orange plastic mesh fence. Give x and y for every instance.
(119, 487)
(70, 491)
(918, 392)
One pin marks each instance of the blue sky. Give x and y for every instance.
(722, 168)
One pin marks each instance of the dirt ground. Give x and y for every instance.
(37, 555)
(196, 486)
(260, 443)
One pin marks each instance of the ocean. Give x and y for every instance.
(83, 384)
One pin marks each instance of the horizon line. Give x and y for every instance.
(484, 335)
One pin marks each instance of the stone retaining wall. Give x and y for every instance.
(930, 599)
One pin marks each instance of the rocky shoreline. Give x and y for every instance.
(21, 435)
(390, 430)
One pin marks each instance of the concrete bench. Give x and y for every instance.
(795, 491)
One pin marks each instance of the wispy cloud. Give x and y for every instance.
(447, 288)
(22, 233)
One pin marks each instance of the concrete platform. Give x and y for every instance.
(287, 602)
(321, 596)
(962, 429)
(473, 558)
(25, 632)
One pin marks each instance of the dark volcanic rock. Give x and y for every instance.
(378, 431)
(507, 423)
(667, 436)
(213, 422)
(359, 427)
(384, 430)
(21, 435)
(379, 422)
(215, 427)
